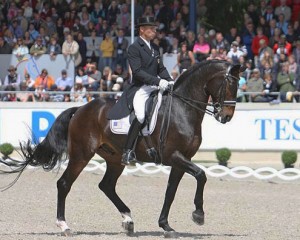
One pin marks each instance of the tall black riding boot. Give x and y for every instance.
(128, 156)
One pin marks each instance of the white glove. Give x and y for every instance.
(163, 84)
(171, 83)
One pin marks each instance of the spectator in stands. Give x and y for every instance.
(38, 48)
(22, 21)
(269, 15)
(60, 30)
(23, 96)
(82, 76)
(291, 37)
(107, 49)
(9, 38)
(78, 91)
(20, 49)
(247, 37)
(248, 71)
(27, 40)
(98, 12)
(43, 34)
(70, 50)
(241, 89)
(275, 38)
(12, 79)
(93, 47)
(220, 42)
(268, 88)
(16, 29)
(44, 81)
(231, 36)
(282, 42)
(112, 12)
(148, 12)
(190, 40)
(12, 11)
(285, 83)
(40, 94)
(296, 51)
(266, 61)
(241, 46)
(234, 54)
(201, 48)
(27, 10)
(262, 9)
(255, 86)
(53, 48)
(120, 73)
(82, 48)
(5, 48)
(10, 96)
(123, 18)
(282, 24)
(64, 82)
(120, 49)
(252, 13)
(292, 64)
(296, 27)
(29, 82)
(283, 9)
(50, 26)
(33, 32)
(255, 46)
(185, 58)
(106, 80)
(94, 75)
(85, 18)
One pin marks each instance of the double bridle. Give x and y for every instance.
(217, 106)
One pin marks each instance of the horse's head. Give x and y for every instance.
(224, 98)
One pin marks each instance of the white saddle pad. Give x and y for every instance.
(121, 126)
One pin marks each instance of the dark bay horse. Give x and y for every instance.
(80, 132)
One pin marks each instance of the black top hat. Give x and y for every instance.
(146, 21)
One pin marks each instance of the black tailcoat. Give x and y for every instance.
(147, 68)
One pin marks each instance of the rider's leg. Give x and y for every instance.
(139, 101)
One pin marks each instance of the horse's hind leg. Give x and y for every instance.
(108, 186)
(63, 186)
(174, 179)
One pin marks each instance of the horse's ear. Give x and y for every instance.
(242, 68)
(239, 68)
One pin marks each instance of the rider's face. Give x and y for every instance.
(148, 32)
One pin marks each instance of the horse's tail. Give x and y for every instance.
(52, 150)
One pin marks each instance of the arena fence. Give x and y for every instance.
(216, 171)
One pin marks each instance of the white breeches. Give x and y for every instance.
(140, 99)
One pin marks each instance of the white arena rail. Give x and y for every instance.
(217, 171)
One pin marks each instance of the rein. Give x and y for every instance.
(217, 105)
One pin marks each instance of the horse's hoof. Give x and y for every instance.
(128, 227)
(67, 233)
(170, 234)
(198, 218)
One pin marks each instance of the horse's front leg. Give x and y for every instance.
(181, 162)
(174, 179)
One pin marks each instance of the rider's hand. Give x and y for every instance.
(171, 83)
(163, 84)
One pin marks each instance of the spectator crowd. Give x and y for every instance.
(94, 34)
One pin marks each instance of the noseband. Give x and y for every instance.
(217, 106)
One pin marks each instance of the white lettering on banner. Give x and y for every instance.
(248, 130)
